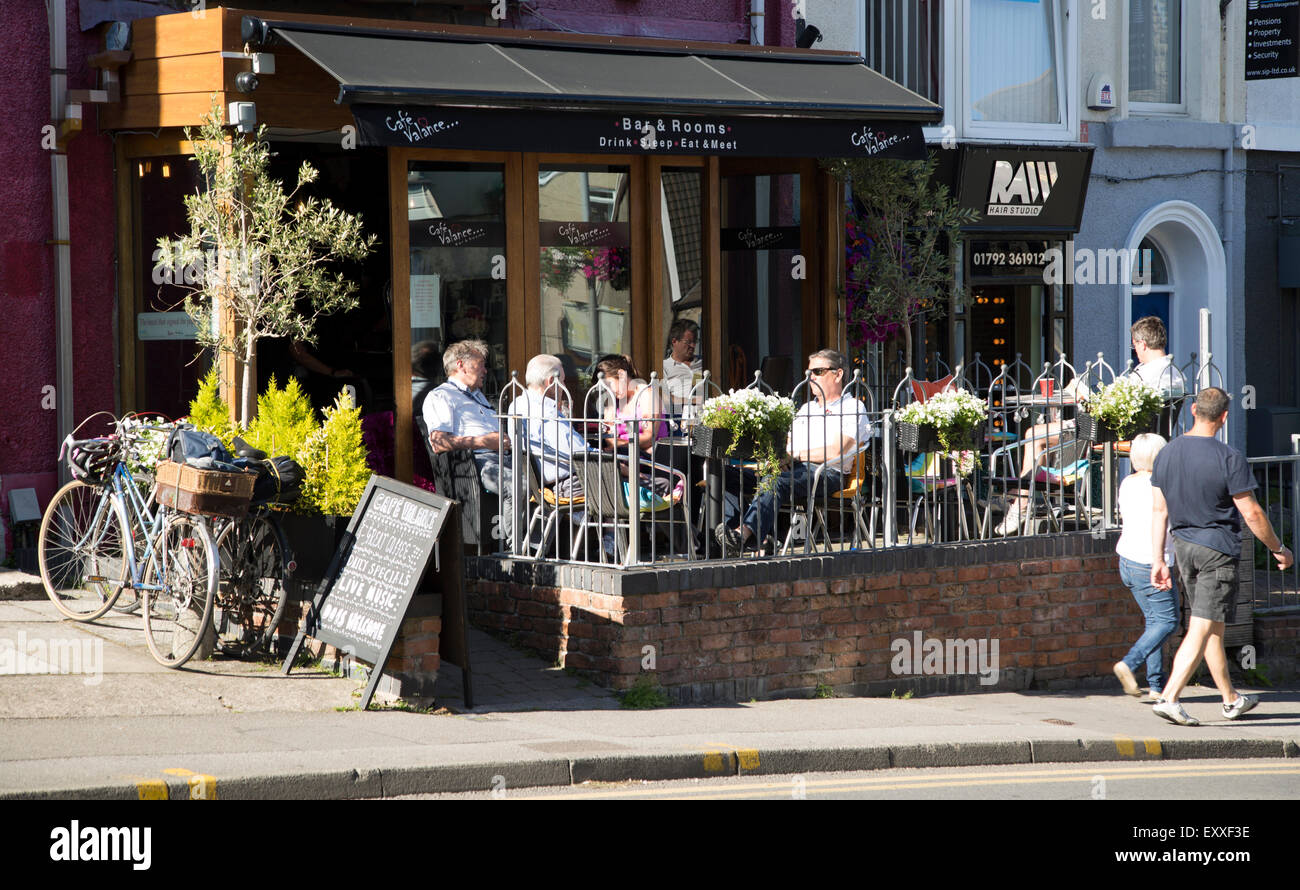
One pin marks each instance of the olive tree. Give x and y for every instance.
(258, 261)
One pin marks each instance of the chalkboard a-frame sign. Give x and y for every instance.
(360, 605)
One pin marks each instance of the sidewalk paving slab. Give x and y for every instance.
(140, 730)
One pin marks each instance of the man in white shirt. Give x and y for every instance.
(681, 365)
(1155, 368)
(459, 417)
(552, 440)
(829, 431)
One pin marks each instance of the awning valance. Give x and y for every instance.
(441, 90)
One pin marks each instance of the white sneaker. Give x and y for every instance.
(1243, 704)
(1174, 713)
(1010, 524)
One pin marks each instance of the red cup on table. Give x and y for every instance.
(1047, 387)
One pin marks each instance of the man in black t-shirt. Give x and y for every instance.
(1199, 485)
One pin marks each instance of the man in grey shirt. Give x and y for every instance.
(1199, 486)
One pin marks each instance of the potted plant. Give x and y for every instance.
(1118, 411)
(747, 424)
(948, 421)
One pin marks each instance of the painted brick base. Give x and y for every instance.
(1055, 606)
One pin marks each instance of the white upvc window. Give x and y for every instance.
(1003, 70)
(1019, 69)
(1157, 75)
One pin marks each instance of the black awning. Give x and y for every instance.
(448, 91)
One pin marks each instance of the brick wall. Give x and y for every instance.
(1277, 645)
(1056, 607)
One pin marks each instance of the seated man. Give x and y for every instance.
(828, 433)
(552, 440)
(1155, 368)
(459, 417)
(681, 367)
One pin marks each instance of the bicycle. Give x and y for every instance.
(254, 561)
(87, 551)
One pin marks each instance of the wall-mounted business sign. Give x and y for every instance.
(1007, 259)
(164, 326)
(1272, 38)
(494, 129)
(1028, 189)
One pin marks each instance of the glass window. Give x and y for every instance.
(1015, 70)
(166, 373)
(904, 42)
(456, 214)
(586, 262)
(681, 327)
(764, 298)
(1155, 48)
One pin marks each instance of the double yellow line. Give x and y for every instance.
(1109, 771)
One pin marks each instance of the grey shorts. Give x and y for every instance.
(1210, 580)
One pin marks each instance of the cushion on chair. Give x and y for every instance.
(923, 389)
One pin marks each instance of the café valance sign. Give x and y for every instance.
(580, 132)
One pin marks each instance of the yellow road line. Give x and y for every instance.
(895, 783)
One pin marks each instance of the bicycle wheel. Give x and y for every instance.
(253, 588)
(82, 551)
(178, 618)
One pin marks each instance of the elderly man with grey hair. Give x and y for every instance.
(459, 417)
(829, 431)
(552, 440)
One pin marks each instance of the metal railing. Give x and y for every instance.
(1278, 494)
(626, 475)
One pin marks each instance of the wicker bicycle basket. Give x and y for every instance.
(209, 492)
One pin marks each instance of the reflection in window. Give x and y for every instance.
(586, 262)
(680, 326)
(458, 290)
(1015, 69)
(1155, 51)
(760, 240)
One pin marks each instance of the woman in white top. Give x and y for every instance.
(1159, 607)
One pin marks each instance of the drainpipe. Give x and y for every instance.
(60, 235)
(756, 22)
(1229, 212)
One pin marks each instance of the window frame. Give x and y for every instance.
(1157, 109)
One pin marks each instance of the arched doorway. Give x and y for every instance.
(1188, 273)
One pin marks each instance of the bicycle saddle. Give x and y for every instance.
(243, 449)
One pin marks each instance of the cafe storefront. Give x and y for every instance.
(567, 194)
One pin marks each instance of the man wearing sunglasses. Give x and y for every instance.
(829, 431)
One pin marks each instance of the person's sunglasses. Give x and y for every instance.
(817, 372)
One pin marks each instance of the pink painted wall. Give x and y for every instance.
(28, 436)
(724, 21)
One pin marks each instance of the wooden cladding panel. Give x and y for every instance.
(180, 34)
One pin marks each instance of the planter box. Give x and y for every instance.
(709, 442)
(917, 438)
(312, 542)
(1096, 431)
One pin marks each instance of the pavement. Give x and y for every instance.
(123, 727)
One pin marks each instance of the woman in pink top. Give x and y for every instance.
(1159, 607)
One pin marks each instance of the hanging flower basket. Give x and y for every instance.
(707, 441)
(1119, 411)
(751, 420)
(947, 421)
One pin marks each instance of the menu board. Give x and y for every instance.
(361, 603)
(1272, 38)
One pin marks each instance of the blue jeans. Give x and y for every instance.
(792, 486)
(1160, 608)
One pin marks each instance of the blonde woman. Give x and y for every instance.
(1159, 607)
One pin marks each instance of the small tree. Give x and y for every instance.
(334, 460)
(285, 420)
(256, 258)
(898, 270)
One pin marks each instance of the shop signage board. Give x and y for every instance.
(485, 129)
(1272, 39)
(164, 326)
(1024, 189)
(761, 238)
(360, 605)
